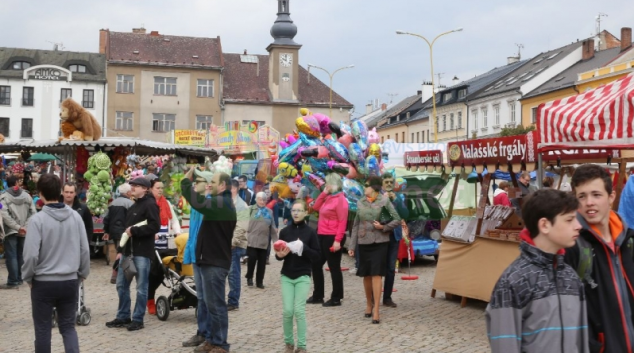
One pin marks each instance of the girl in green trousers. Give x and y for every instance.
(296, 272)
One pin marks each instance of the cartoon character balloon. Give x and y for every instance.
(337, 151)
(360, 133)
(375, 150)
(372, 165)
(373, 136)
(308, 125)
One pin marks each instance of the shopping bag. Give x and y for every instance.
(128, 267)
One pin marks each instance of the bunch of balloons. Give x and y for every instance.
(320, 146)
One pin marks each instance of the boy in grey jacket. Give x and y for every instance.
(56, 258)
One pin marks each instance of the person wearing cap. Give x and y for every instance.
(213, 251)
(141, 247)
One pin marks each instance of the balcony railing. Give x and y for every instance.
(88, 104)
(5, 101)
(27, 102)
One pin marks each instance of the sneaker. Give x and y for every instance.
(261, 286)
(135, 326)
(312, 300)
(151, 307)
(389, 303)
(300, 350)
(194, 341)
(231, 307)
(289, 348)
(332, 303)
(204, 347)
(118, 323)
(217, 349)
(9, 286)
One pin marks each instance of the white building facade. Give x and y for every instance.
(34, 82)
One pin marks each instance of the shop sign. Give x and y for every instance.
(511, 149)
(47, 73)
(423, 158)
(190, 137)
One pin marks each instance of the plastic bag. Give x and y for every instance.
(296, 247)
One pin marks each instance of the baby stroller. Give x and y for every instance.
(179, 279)
(83, 312)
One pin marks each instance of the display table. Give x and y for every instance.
(472, 270)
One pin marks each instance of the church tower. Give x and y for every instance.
(283, 56)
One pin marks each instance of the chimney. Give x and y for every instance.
(626, 38)
(512, 59)
(426, 92)
(245, 52)
(419, 92)
(154, 33)
(368, 108)
(384, 106)
(587, 47)
(140, 30)
(103, 41)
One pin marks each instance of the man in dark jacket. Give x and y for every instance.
(213, 250)
(603, 259)
(114, 223)
(69, 197)
(140, 246)
(245, 193)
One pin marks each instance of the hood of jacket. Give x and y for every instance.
(536, 256)
(17, 196)
(498, 191)
(614, 217)
(57, 212)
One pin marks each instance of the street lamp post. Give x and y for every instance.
(331, 76)
(431, 61)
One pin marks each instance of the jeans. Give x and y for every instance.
(256, 257)
(334, 263)
(392, 252)
(13, 247)
(204, 320)
(123, 289)
(234, 276)
(214, 281)
(294, 292)
(62, 295)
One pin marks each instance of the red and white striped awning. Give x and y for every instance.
(599, 118)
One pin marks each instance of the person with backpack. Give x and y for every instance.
(603, 259)
(538, 304)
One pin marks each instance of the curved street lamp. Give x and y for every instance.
(431, 61)
(331, 76)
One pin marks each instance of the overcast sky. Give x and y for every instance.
(334, 33)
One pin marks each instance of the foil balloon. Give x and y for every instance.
(360, 133)
(291, 139)
(345, 128)
(373, 136)
(355, 152)
(362, 167)
(373, 166)
(304, 111)
(346, 140)
(352, 173)
(307, 140)
(294, 184)
(353, 192)
(279, 184)
(275, 162)
(287, 170)
(306, 168)
(335, 128)
(289, 153)
(284, 144)
(337, 151)
(375, 150)
(324, 123)
(318, 164)
(279, 179)
(315, 151)
(308, 125)
(316, 180)
(400, 184)
(341, 168)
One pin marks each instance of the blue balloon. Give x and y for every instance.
(337, 151)
(373, 166)
(355, 152)
(353, 192)
(289, 153)
(318, 164)
(360, 133)
(306, 140)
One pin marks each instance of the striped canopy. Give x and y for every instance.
(599, 118)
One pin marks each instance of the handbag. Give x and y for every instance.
(384, 216)
(127, 265)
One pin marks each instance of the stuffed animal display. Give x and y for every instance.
(74, 114)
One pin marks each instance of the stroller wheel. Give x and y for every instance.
(162, 308)
(84, 319)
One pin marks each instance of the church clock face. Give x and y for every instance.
(286, 59)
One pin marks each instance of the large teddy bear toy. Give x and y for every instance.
(77, 121)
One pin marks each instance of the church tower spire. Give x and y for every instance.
(283, 30)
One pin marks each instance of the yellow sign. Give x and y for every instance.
(190, 137)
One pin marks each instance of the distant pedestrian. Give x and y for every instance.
(238, 247)
(500, 196)
(259, 234)
(56, 258)
(524, 183)
(114, 224)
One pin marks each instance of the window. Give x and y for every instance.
(418, 137)
(484, 117)
(534, 115)
(124, 121)
(462, 93)
(459, 120)
(397, 137)
(388, 137)
(4, 126)
(512, 111)
(77, 68)
(27, 96)
(165, 86)
(125, 83)
(496, 114)
(381, 139)
(27, 128)
(88, 101)
(403, 136)
(451, 127)
(20, 65)
(65, 93)
(203, 122)
(412, 140)
(447, 96)
(205, 88)
(427, 136)
(163, 122)
(444, 123)
(475, 119)
(5, 95)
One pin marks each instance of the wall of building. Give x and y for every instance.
(446, 133)
(239, 112)
(503, 101)
(391, 133)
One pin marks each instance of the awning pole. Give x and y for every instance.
(540, 171)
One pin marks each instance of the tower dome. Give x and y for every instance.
(283, 30)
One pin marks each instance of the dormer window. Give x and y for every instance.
(447, 96)
(20, 65)
(77, 68)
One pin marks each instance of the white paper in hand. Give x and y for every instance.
(125, 236)
(296, 247)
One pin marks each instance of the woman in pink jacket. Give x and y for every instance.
(332, 207)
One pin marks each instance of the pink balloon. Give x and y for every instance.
(373, 136)
(352, 172)
(346, 140)
(323, 121)
(284, 144)
(291, 139)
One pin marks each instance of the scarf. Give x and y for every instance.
(262, 213)
(165, 213)
(372, 199)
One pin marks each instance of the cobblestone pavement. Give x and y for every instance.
(419, 324)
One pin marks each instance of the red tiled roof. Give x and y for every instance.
(243, 84)
(164, 50)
